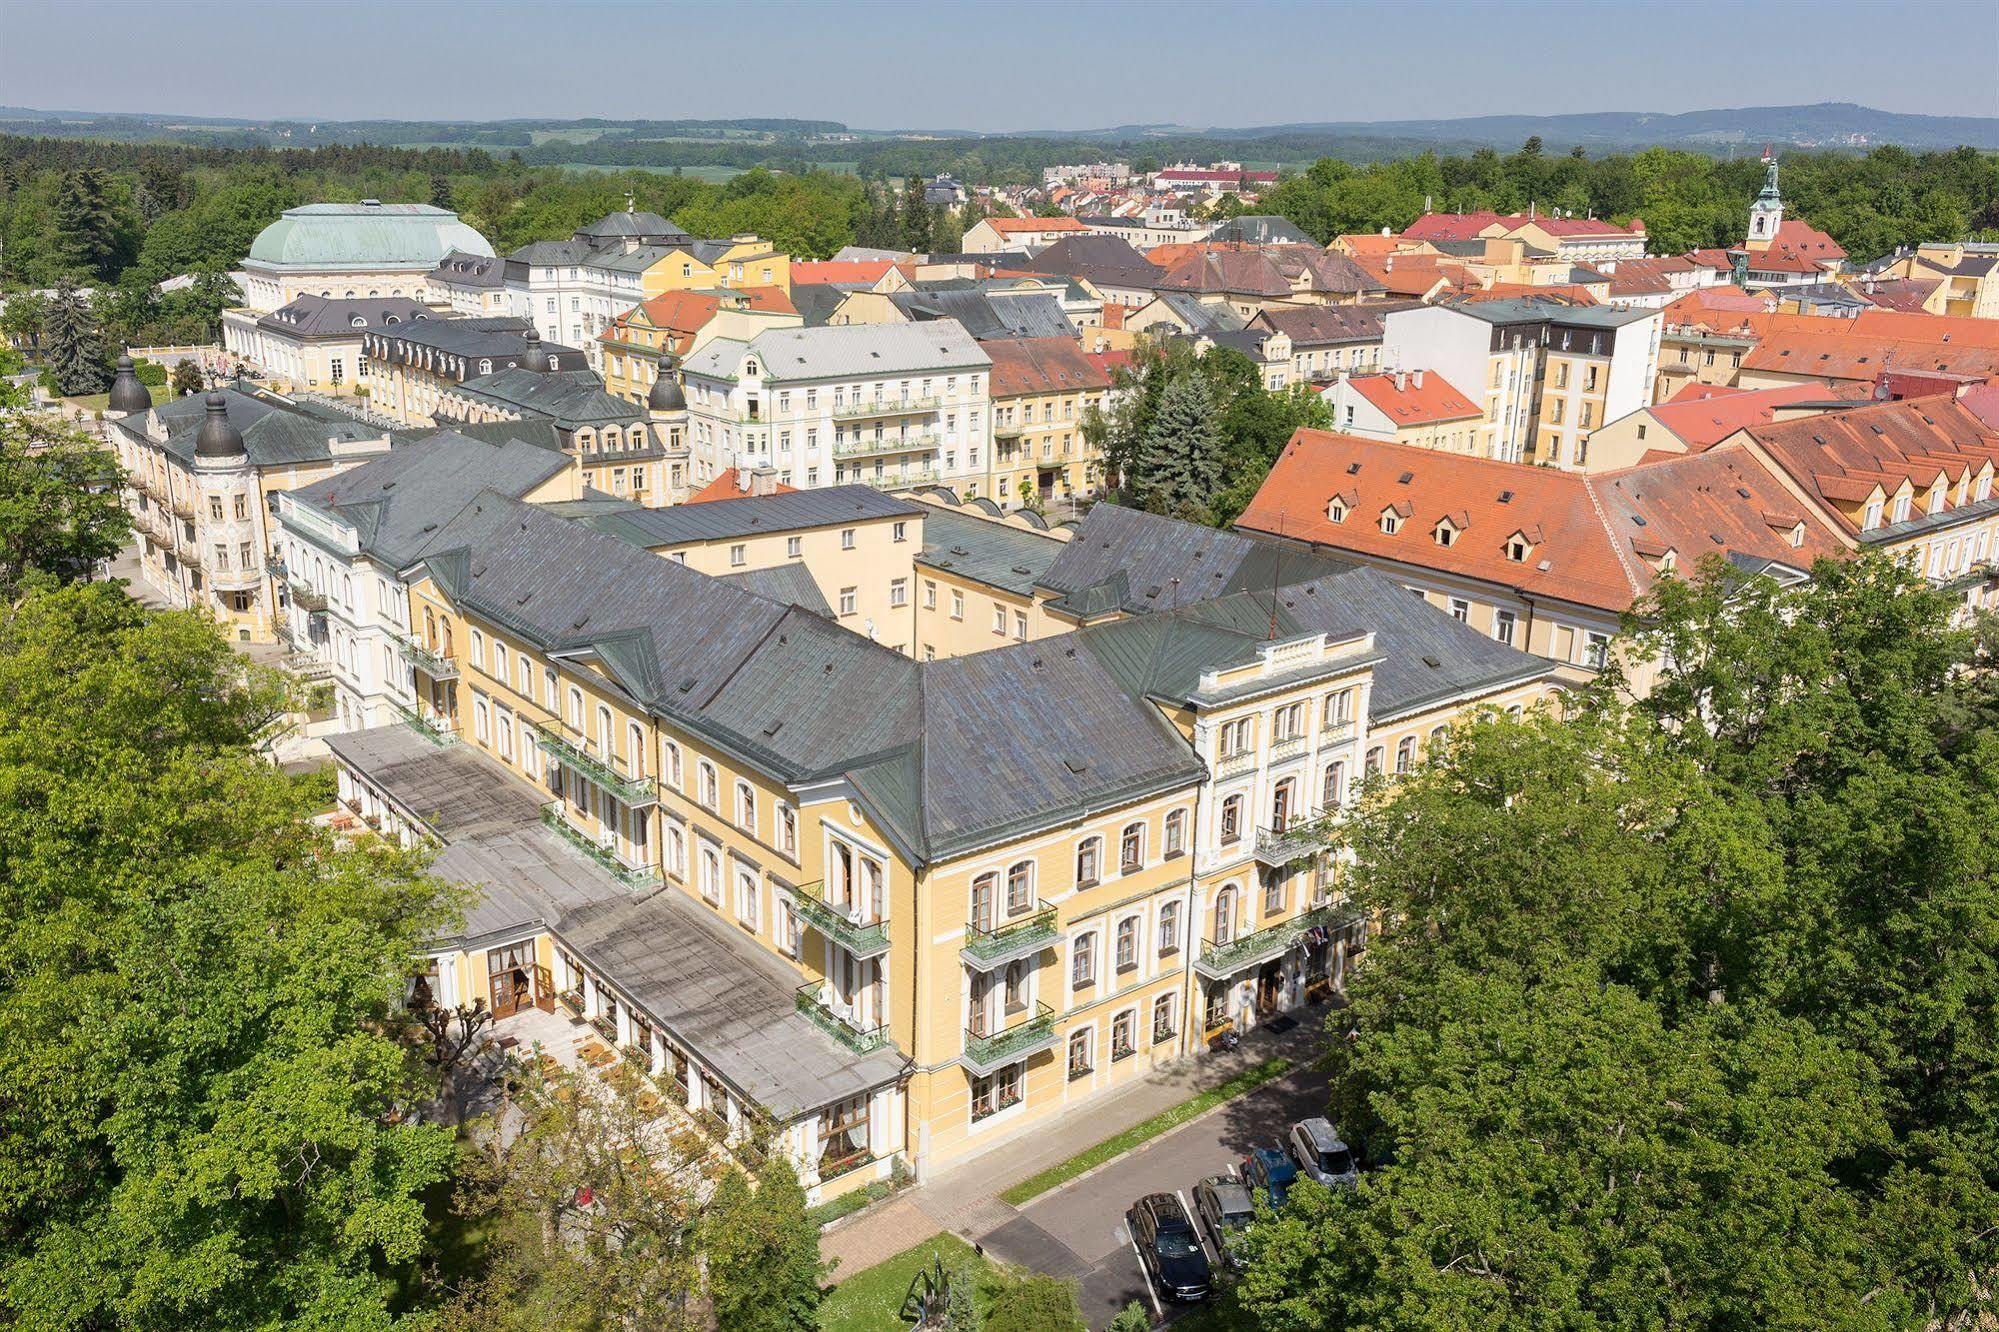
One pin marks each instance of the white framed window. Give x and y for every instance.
(1169, 928)
(1081, 1052)
(1162, 1019)
(1083, 960)
(711, 786)
(1176, 832)
(1126, 943)
(1124, 1035)
(787, 829)
(748, 897)
(746, 808)
(711, 874)
(1131, 849)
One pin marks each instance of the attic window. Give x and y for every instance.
(1390, 523)
(1405, 478)
(1669, 561)
(1445, 534)
(1518, 548)
(1353, 469)
(1336, 512)
(1506, 497)
(1798, 535)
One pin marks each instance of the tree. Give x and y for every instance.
(72, 346)
(1696, 989)
(440, 192)
(1132, 1318)
(1178, 470)
(60, 515)
(763, 1254)
(1030, 1302)
(202, 1117)
(186, 378)
(915, 216)
(87, 225)
(594, 1205)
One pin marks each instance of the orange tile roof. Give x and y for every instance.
(1411, 403)
(1723, 306)
(1570, 292)
(1416, 274)
(726, 487)
(1371, 243)
(775, 299)
(1004, 225)
(1875, 340)
(1041, 365)
(1594, 540)
(1700, 421)
(1449, 226)
(817, 271)
(1844, 456)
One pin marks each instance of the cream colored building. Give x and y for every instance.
(349, 252)
(314, 344)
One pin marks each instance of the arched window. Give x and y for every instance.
(1232, 818)
(1225, 915)
(1089, 861)
(711, 786)
(1334, 792)
(635, 742)
(746, 807)
(1020, 887)
(984, 889)
(672, 764)
(1176, 832)
(576, 708)
(1131, 849)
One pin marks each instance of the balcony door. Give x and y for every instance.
(512, 977)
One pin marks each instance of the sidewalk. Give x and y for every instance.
(965, 1199)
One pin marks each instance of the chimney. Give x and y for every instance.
(1416, 378)
(1426, 204)
(1386, 233)
(1530, 210)
(762, 481)
(1401, 380)
(743, 479)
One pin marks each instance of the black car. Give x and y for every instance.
(1169, 1248)
(1225, 1207)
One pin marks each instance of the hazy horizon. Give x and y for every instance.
(951, 67)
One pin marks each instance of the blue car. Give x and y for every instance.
(1269, 1173)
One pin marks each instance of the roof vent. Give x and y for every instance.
(1153, 591)
(1353, 469)
(1075, 765)
(773, 729)
(1022, 569)
(1638, 518)
(579, 621)
(1432, 663)
(1506, 497)
(1742, 491)
(960, 550)
(687, 685)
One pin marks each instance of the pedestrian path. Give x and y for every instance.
(965, 1201)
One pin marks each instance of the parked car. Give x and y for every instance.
(1269, 1173)
(1169, 1248)
(1320, 1153)
(1226, 1208)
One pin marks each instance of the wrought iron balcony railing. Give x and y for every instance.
(854, 411)
(636, 792)
(841, 922)
(623, 870)
(988, 1051)
(438, 730)
(839, 1021)
(1221, 960)
(992, 946)
(434, 664)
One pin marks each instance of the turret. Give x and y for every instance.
(128, 396)
(666, 397)
(533, 356)
(219, 444)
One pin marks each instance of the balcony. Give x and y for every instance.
(303, 595)
(1025, 936)
(922, 476)
(918, 441)
(860, 411)
(1336, 733)
(988, 1053)
(1220, 961)
(182, 504)
(1290, 747)
(274, 565)
(635, 792)
(624, 871)
(307, 666)
(1235, 765)
(433, 664)
(1302, 837)
(839, 1020)
(841, 922)
(437, 730)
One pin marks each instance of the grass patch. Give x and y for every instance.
(872, 1300)
(1090, 1157)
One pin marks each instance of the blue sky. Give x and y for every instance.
(1078, 64)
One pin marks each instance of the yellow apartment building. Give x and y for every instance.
(1042, 388)
(803, 880)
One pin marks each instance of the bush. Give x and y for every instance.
(151, 373)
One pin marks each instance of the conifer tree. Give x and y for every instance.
(915, 215)
(71, 345)
(1179, 465)
(763, 1255)
(86, 225)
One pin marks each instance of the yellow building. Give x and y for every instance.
(737, 263)
(680, 323)
(1042, 388)
(889, 908)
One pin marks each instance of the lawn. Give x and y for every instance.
(1164, 1121)
(872, 1300)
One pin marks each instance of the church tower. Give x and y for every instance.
(1766, 215)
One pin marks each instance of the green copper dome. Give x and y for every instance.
(365, 235)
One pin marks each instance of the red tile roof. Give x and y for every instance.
(1702, 420)
(1006, 225)
(1714, 308)
(1449, 226)
(1411, 403)
(814, 272)
(1416, 274)
(1862, 347)
(1196, 177)
(1844, 456)
(1587, 543)
(1041, 365)
(726, 487)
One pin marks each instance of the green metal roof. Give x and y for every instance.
(364, 236)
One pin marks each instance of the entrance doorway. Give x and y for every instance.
(1269, 986)
(514, 981)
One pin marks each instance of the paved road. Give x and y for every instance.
(1079, 1231)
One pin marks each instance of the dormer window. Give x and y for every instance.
(1391, 522)
(1518, 548)
(1872, 518)
(1936, 498)
(1797, 537)
(1445, 534)
(1902, 507)
(1669, 561)
(749, 367)
(1336, 512)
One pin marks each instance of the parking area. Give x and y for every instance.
(1079, 1230)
